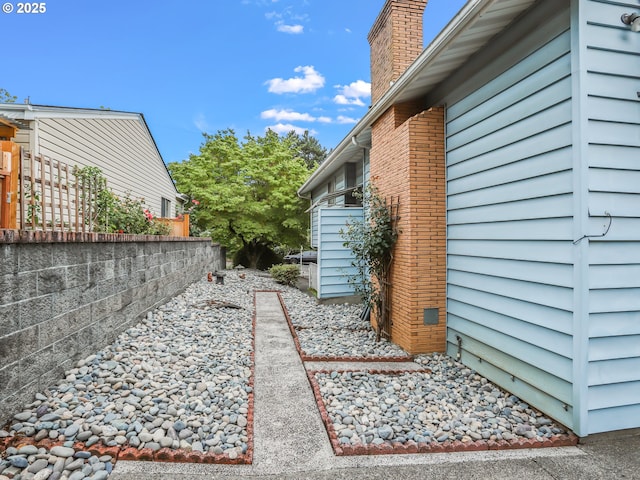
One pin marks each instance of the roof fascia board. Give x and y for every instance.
(457, 25)
(155, 145)
(32, 112)
(331, 162)
(53, 112)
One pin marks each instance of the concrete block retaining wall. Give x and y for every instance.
(64, 296)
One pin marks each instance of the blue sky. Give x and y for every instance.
(203, 65)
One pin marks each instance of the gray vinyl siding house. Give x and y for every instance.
(542, 115)
(119, 143)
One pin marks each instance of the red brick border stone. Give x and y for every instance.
(37, 236)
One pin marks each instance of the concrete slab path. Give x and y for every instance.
(290, 441)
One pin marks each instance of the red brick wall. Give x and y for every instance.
(396, 41)
(409, 161)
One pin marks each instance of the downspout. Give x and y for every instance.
(304, 197)
(364, 148)
(310, 215)
(354, 140)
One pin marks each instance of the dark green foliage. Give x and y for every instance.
(6, 97)
(308, 148)
(256, 256)
(111, 214)
(285, 274)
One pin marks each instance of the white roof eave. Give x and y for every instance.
(32, 111)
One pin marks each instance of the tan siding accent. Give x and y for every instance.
(122, 148)
(22, 138)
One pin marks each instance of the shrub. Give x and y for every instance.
(285, 274)
(112, 214)
(128, 215)
(371, 240)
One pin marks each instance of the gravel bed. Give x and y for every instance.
(180, 379)
(335, 330)
(452, 402)
(32, 463)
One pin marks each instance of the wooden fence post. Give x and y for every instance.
(9, 170)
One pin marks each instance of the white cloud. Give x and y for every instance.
(286, 21)
(345, 120)
(309, 83)
(293, 29)
(283, 129)
(201, 123)
(353, 93)
(287, 116)
(343, 100)
(359, 88)
(348, 30)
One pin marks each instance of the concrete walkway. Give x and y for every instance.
(290, 441)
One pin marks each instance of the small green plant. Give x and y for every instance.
(285, 274)
(32, 200)
(371, 240)
(95, 197)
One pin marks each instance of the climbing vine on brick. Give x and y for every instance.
(371, 240)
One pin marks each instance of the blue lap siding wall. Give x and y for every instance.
(542, 146)
(334, 259)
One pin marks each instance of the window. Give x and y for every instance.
(350, 174)
(165, 208)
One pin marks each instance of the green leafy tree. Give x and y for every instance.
(308, 148)
(6, 97)
(246, 191)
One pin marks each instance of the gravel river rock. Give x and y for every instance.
(179, 379)
(182, 378)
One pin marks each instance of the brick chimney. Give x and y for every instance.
(396, 41)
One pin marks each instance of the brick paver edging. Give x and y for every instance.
(38, 236)
(333, 358)
(170, 455)
(565, 440)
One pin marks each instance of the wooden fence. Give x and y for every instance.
(179, 226)
(9, 166)
(53, 198)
